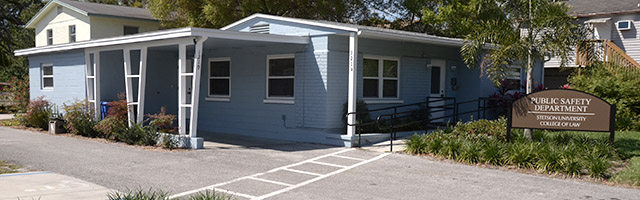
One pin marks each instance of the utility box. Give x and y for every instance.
(56, 126)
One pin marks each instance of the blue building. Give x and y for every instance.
(263, 76)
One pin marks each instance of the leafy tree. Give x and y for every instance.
(13, 15)
(519, 33)
(217, 13)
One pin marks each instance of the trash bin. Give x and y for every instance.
(104, 109)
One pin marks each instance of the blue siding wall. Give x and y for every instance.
(68, 77)
(247, 114)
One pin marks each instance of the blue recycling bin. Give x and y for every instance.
(104, 109)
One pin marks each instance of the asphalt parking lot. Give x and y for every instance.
(281, 170)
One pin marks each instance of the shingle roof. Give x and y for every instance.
(602, 7)
(110, 10)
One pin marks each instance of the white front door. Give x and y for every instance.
(437, 87)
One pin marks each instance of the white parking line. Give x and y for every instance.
(328, 164)
(270, 181)
(320, 177)
(211, 187)
(347, 157)
(302, 172)
(287, 168)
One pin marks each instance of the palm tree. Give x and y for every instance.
(526, 30)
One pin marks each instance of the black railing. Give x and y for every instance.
(408, 118)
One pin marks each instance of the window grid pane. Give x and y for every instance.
(47, 70)
(370, 88)
(390, 88)
(281, 67)
(47, 82)
(281, 87)
(219, 69)
(390, 68)
(370, 68)
(219, 87)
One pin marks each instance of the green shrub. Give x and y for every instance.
(596, 165)
(521, 154)
(619, 88)
(569, 161)
(37, 115)
(492, 152)
(169, 142)
(470, 152)
(80, 119)
(451, 148)
(548, 159)
(138, 194)
(18, 94)
(110, 126)
(139, 135)
(141, 194)
(417, 144)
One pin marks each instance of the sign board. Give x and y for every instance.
(562, 109)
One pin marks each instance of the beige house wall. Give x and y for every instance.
(59, 24)
(102, 27)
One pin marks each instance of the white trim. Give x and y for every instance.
(163, 35)
(42, 76)
(383, 101)
(142, 80)
(278, 101)
(629, 22)
(267, 78)
(210, 97)
(352, 90)
(219, 99)
(381, 77)
(182, 92)
(415, 37)
(443, 77)
(287, 19)
(195, 91)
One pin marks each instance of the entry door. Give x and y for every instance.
(437, 87)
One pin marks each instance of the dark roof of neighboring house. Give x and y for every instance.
(584, 8)
(110, 10)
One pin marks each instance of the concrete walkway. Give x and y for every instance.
(48, 186)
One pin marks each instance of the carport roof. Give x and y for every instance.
(163, 35)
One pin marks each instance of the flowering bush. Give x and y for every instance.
(163, 121)
(37, 115)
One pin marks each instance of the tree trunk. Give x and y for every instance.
(528, 133)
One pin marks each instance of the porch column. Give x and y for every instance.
(195, 92)
(353, 81)
(182, 83)
(129, 86)
(142, 84)
(92, 81)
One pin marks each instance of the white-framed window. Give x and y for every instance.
(380, 77)
(219, 79)
(72, 33)
(280, 78)
(624, 25)
(46, 72)
(514, 77)
(49, 36)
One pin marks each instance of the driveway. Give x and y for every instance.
(281, 170)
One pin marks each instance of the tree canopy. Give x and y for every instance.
(13, 15)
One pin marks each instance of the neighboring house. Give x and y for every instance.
(263, 76)
(614, 26)
(67, 21)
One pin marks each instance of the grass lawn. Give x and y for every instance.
(6, 168)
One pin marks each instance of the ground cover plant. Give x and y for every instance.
(551, 152)
(37, 115)
(6, 167)
(150, 194)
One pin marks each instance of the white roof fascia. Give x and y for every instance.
(413, 38)
(598, 20)
(287, 19)
(46, 7)
(164, 35)
(235, 35)
(157, 35)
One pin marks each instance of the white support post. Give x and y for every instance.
(96, 83)
(128, 86)
(182, 83)
(353, 80)
(141, 84)
(195, 92)
(90, 82)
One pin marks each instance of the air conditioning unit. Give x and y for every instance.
(624, 25)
